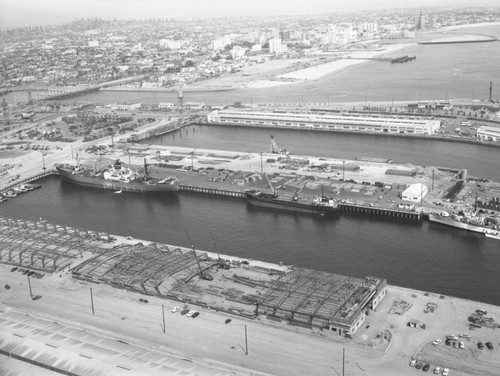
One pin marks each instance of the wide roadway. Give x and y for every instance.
(273, 347)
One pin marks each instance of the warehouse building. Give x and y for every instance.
(415, 192)
(488, 133)
(340, 122)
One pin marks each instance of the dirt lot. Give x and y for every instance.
(294, 350)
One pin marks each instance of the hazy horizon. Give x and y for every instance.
(18, 13)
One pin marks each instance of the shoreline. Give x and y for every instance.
(413, 136)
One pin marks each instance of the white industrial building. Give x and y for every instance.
(415, 192)
(340, 122)
(486, 133)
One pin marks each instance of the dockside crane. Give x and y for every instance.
(202, 274)
(298, 192)
(222, 264)
(275, 192)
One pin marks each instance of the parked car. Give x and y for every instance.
(448, 342)
(489, 345)
(426, 367)
(464, 335)
(446, 371)
(480, 345)
(461, 344)
(184, 311)
(412, 363)
(229, 320)
(419, 365)
(436, 342)
(175, 309)
(196, 314)
(190, 313)
(437, 370)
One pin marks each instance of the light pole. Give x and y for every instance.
(192, 160)
(343, 170)
(261, 164)
(43, 162)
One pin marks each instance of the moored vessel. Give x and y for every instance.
(319, 205)
(116, 177)
(493, 234)
(468, 223)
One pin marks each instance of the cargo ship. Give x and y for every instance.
(117, 177)
(319, 205)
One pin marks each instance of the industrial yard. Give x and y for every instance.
(133, 282)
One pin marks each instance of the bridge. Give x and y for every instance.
(67, 92)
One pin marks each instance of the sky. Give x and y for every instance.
(14, 13)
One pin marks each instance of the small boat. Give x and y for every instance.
(492, 234)
(9, 194)
(120, 191)
(2, 199)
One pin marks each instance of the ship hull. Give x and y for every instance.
(493, 235)
(101, 183)
(457, 224)
(268, 201)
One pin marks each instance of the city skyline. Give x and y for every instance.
(19, 13)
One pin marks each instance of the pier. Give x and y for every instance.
(29, 180)
(386, 213)
(211, 191)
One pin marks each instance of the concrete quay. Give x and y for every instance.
(108, 327)
(361, 187)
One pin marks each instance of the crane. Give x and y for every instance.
(207, 277)
(298, 192)
(274, 190)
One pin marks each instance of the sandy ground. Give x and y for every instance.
(282, 72)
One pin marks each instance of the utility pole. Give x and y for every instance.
(29, 284)
(246, 340)
(343, 361)
(43, 161)
(163, 314)
(92, 301)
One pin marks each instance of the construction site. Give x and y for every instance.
(222, 283)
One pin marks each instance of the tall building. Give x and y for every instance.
(285, 35)
(420, 22)
(275, 46)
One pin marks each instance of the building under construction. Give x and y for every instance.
(233, 285)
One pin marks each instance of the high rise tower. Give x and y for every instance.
(420, 23)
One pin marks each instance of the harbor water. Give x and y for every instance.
(440, 72)
(429, 257)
